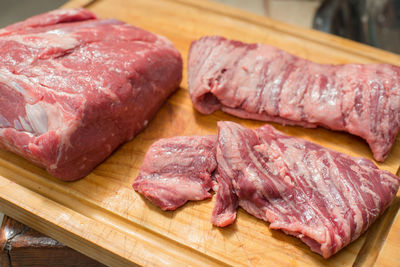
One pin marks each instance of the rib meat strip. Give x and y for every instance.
(262, 82)
(325, 198)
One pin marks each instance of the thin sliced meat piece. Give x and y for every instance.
(262, 82)
(176, 170)
(325, 198)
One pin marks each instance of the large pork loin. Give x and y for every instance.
(262, 82)
(74, 87)
(325, 198)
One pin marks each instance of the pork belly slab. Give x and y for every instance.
(325, 198)
(261, 82)
(74, 87)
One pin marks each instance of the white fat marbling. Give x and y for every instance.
(37, 118)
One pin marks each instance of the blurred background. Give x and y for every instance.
(374, 22)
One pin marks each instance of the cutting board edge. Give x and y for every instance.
(76, 238)
(338, 41)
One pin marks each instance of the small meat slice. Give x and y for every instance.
(262, 82)
(233, 143)
(325, 198)
(74, 87)
(176, 170)
(225, 209)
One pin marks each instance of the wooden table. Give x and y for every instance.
(21, 246)
(104, 218)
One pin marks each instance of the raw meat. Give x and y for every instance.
(176, 170)
(325, 198)
(262, 82)
(74, 87)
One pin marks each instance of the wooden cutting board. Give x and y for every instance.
(104, 218)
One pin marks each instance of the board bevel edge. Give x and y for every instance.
(23, 212)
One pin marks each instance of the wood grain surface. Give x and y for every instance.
(104, 218)
(389, 254)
